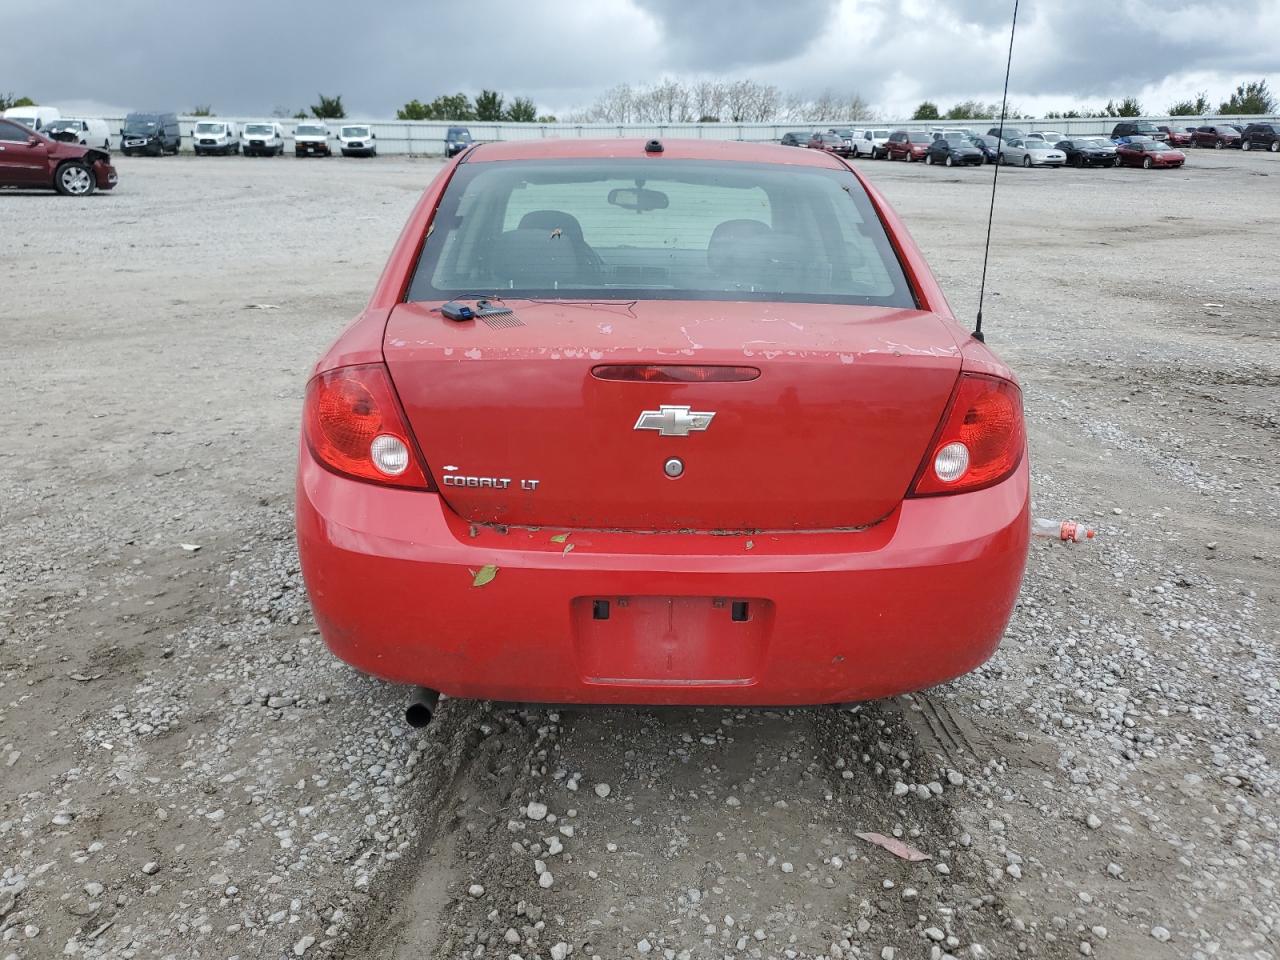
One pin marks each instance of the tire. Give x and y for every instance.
(74, 179)
(1000, 158)
(1115, 162)
(948, 162)
(928, 159)
(1218, 144)
(1026, 162)
(1078, 162)
(1275, 146)
(1146, 163)
(1244, 144)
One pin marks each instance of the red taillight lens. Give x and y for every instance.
(353, 425)
(673, 373)
(981, 440)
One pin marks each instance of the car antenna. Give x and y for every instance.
(995, 175)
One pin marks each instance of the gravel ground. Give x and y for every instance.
(187, 773)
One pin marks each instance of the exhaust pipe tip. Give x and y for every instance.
(421, 707)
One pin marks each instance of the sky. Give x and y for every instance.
(248, 57)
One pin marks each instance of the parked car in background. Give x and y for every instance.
(1149, 153)
(1009, 133)
(357, 140)
(1261, 136)
(989, 147)
(1217, 135)
(871, 144)
(457, 139)
(150, 133)
(908, 145)
(29, 159)
(1048, 136)
(1089, 152)
(87, 133)
(795, 138)
(1032, 152)
(847, 137)
(1136, 128)
(898, 497)
(954, 151)
(264, 138)
(35, 117)
(215, 136)
(311, 139)
(1174, 135)
(951, 132)
(830, 142)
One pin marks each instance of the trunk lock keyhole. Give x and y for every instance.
(673, 468)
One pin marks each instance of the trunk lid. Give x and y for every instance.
(516, 429)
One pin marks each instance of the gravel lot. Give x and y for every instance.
(186, 773)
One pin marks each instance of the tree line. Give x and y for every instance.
(739, 101)
(1248, 99)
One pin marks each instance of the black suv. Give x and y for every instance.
(1261, 136)
(456, 139)
(1138, 128)
(152, 133)
(795, 139)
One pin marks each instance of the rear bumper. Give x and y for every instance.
(918, 599)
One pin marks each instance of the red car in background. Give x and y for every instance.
(908, 145)
(681, 422)
(1148, 154)
(830, 142)
(1176, 137)
(31, 160)
(1218, 136)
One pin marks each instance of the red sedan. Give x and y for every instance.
(1148, 154)
(29, 159)
(685, 423)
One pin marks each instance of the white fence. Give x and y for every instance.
(426, 137)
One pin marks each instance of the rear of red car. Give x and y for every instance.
(689, 426)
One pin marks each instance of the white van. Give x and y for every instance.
(215, 136)
(357, 140)
(262, 139)
(312, 137)
(34, 117)
(86, 132)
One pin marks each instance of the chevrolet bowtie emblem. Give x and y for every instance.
(674, 421)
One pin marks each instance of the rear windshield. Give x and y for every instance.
(920, 137)
(668, 229)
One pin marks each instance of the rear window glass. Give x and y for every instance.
(666, 229)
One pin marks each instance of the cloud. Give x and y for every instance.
(246, 57)
(715, 35)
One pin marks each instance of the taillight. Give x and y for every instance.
(981, 440)
(353, 425)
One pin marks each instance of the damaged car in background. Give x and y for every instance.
(31, 160)
(682, 422)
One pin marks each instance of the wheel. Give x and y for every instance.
(1146, 163)
(928, 159)
(1000, 157)
(74, 179)
(910, 157)
(1115, 162)
(1275, 146)
(1078, 162)
(1026, 161)
(1244, 144)
(948, 162)
(1218, 144)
